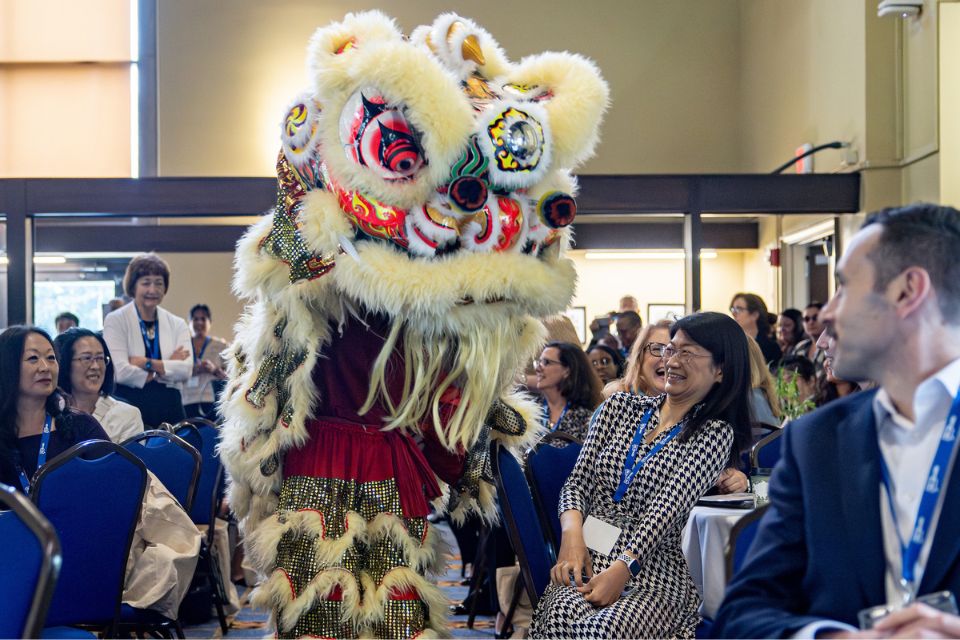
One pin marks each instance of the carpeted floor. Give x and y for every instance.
(254, 623)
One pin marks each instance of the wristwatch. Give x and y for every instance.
(632, 564)
(148, 365)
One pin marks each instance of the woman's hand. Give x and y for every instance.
(732, 481)
(573, 559)
(606, 587)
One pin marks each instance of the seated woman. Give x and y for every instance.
(87, 376)
(607, 362)
(35, 423)
(789, 329)
(645, 463)
(644, 374)
(570, 388)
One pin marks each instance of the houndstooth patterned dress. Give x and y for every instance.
(662, 601)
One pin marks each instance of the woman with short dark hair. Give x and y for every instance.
(570, 388)
(643, 466)
(35, 423)
(606, 362)
(86, 375)
(150, 345)
(750, 312)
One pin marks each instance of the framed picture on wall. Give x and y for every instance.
(657, 311)
(578, 316)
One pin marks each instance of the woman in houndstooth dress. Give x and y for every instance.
(707, 400)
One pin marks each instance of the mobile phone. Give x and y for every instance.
(604, 321)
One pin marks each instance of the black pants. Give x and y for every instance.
(157, 402)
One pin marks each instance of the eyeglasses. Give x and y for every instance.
(655, 349)
(543, 362)
(738, 310)
(810, 318)
(602, 362)
(685, 356)
(88, 360)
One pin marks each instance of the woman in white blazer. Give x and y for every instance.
(150, 345)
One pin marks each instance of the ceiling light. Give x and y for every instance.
(49, 260)
(644, 255)
(811, 233)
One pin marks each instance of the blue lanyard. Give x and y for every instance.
(910, 552)
(546, 416)
(152, 347)
(632, 466)
(41, 455)
(199, 356)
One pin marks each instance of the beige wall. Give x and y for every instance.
(603, 282)
(203, 277)
(227, 71)
(950, 103)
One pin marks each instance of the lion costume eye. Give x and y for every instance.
(377, 135)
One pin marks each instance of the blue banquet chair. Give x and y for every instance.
(174, 461)
(92, 495)
(548, 466)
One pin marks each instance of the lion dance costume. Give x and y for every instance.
(424, 198)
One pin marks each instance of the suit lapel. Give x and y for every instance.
(946, 540)
(859, 463)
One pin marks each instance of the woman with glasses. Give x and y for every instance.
(644, 374)
(606, 361)
(750, 312)
(35, 423)
(645, 463)
(570, 388)
(87, 376)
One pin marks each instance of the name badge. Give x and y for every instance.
(193, 382)
(599, 535)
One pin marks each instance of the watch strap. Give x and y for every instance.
(148, 366)
(632, 564)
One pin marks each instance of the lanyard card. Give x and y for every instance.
(599, 535)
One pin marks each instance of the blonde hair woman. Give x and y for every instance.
(644, 375)
(763, 400)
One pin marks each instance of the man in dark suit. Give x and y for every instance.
(851, 524)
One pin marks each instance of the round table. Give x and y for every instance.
(705, 541)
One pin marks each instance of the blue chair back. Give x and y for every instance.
(741, 539)
(766, 453)
(29, 573)
(522, 522)
(174, 461)
(210, 485)
(548, 467)
(91, 494)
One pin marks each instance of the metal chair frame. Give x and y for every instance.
(755, 450)
(180, 442)
(28, 513)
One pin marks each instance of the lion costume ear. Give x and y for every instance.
(575, 96)
(335, 42)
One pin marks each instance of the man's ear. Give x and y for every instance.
(910, 290)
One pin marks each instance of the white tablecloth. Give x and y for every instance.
(704, 544)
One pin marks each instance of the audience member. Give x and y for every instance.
(764, 404)
(789, 329)
(570, 388)
(860, 510)
(629, 303)
(35, 423)
(830, 387)
(628, 327)
(86, 375)
(644, 374)
(150, 345)
(750, 312)
(812, 330)
(199, 393)
(112, 305)
(607, 362)
(645, 463)
(801, 371)
(66, 320)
